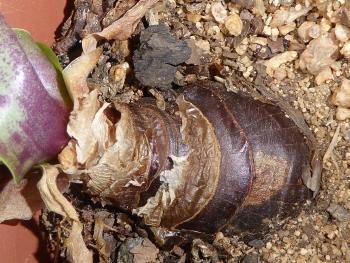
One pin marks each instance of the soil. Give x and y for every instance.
(321, 232)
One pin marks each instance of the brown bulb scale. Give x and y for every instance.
(210, 160)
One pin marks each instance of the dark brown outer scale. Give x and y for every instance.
(277, 155)
(215, 159)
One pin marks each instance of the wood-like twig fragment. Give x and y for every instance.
(329, 153)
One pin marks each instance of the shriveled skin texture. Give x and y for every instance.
(219, 161)
(127, 173)
(186, 187)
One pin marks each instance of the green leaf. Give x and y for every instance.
(51, 56)
(33, 108)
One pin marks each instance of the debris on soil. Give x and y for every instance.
(159, 53)
(120, 7)
(85, 19)
(137, 250)
(13, 203)
(275, 62)
(121, 29)
(339, 212)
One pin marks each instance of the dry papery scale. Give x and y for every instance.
(209, 161)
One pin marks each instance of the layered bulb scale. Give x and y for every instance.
(208, 161)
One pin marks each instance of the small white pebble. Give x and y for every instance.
(234, 25)
(326, 25)
(315, 31)
(342, 114)
(345, 51)
(268, 245)
(341, 96)
(274, 33)
(303, 30)
(342, 33)
(303, 251)
(219, 12)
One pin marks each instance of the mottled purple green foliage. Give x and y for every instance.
(33, 113)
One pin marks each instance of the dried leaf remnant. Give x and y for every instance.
(122, 29)
(56, 202)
